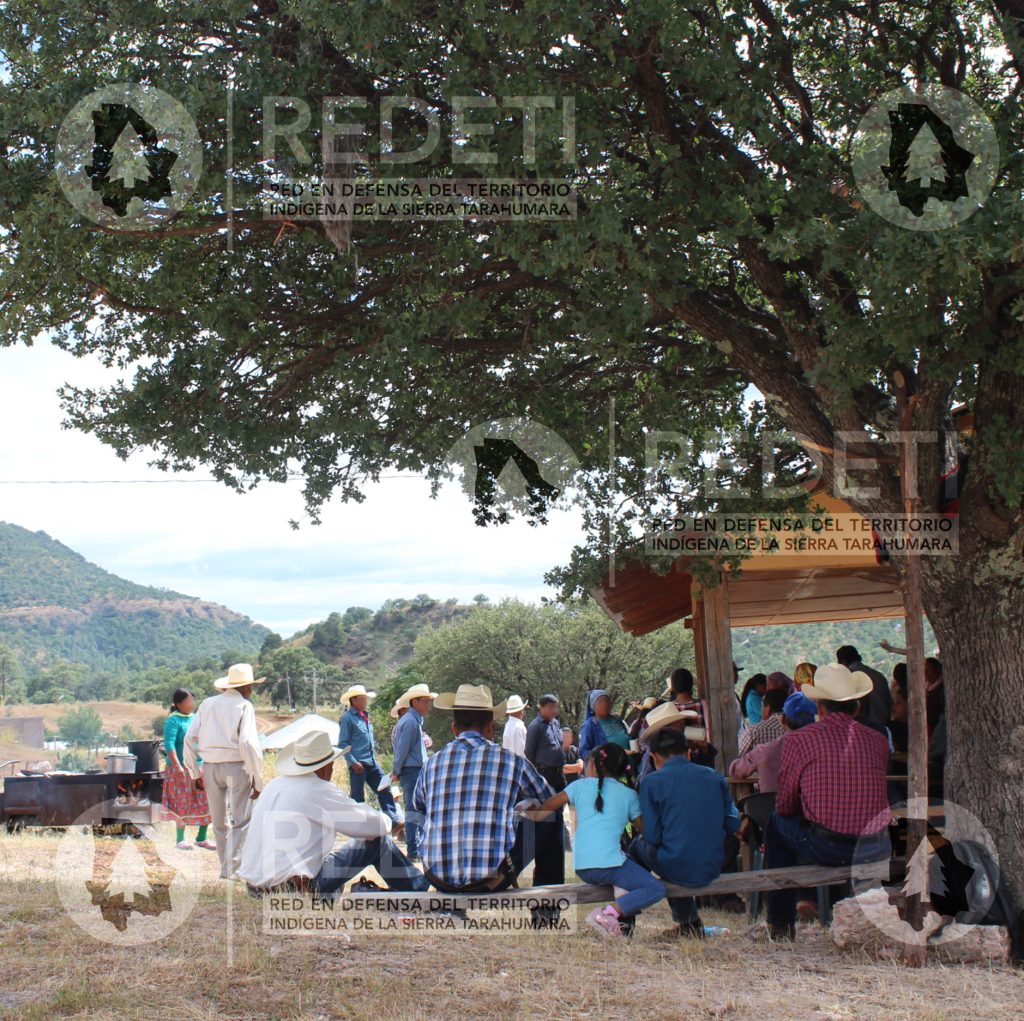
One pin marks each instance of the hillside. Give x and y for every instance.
(55, 605)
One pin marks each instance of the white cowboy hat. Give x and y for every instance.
(663, 715)
(416, 691)
(470, 696)
(239, 676)
(515, 704)
(309, 753)
(837, 683)
(355, 690)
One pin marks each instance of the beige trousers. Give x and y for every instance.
(229, 795)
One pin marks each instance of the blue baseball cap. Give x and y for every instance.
(799, 708)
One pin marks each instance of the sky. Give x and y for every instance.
(204, 540)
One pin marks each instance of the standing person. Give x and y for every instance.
(223, 736)
(545, 750)
(355, 732)
(831, 806)
(302, 800)
(877, 709)
(602, 726)
(183, 801)
(688, 813)
(751, 696)
(513, 737)
(605, 806)
(410, 755)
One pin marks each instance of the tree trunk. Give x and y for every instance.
(975, 605)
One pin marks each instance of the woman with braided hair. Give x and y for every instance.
(604, 806)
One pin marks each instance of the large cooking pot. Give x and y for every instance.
(147, 753)
(121, 763)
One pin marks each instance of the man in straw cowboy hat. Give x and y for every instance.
(513, 735)
(298, 817)
(409, 756)
(689, 815)
(223, 734)
(473, 840)
(355, 732)
(831, 805)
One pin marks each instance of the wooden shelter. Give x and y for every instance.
(798, 587)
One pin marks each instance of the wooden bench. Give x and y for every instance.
(763, 880)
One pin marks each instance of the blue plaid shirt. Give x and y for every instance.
(467, 792)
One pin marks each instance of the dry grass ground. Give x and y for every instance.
(220, 966)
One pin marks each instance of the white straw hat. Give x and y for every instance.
(837, 683)
(416, 691)
(239, 676)
(515, 704)
(309, 753)
(470, 696)
(356, 690)
(663, 715)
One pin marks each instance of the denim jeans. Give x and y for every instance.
(408, 778)
(684, 909)
(372, 775)
(351, 858)
(790, 840)
(643, 889)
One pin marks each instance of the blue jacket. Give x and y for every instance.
(687, 811)
(355, 731)
(407, 741)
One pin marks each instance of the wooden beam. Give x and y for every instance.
(721, 681)
(764, 880)
(700, 642)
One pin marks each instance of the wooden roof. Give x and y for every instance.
(772, 588)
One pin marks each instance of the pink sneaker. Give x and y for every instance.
(606, 921)
(208, 844)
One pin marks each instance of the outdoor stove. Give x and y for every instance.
(62, 799)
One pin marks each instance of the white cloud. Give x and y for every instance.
(238, 549)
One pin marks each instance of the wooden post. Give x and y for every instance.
(917, 742)
(700, 642)
(721, 686)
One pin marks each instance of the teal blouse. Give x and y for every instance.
(174, 734)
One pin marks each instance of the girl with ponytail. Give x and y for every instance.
(604, 805)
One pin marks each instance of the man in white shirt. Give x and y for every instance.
(223, 734)
(295, 822)
(513, 736)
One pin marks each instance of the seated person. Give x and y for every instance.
(831, 806)
(297, 817)
(473, 840)
(764, 759)
(605, 807)
(770, 727)
(687, 812)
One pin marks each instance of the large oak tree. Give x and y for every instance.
(720, 243)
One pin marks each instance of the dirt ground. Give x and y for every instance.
(218, 964)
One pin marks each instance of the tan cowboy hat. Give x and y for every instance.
(416, 691)
(239, 676)
(515, 704)
(649, 703)
(470, 696)
(357, 689)
(309, 753)
(663, 715)
(837, 683)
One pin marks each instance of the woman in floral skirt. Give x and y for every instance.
(182, 802)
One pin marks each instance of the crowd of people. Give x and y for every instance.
(647, 804)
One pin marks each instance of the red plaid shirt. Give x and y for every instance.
(833, 774)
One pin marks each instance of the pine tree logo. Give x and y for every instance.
(127, 160)
(128, 156)
(925, 160)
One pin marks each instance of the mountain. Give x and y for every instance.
(55, 605)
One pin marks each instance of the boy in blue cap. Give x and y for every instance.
(764, 759)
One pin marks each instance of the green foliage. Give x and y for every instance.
(74, 761)
(76, 631)
(81, 726)
(157, 726)
(567, 649)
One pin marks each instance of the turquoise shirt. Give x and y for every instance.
(174, 734)
(598, 834)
